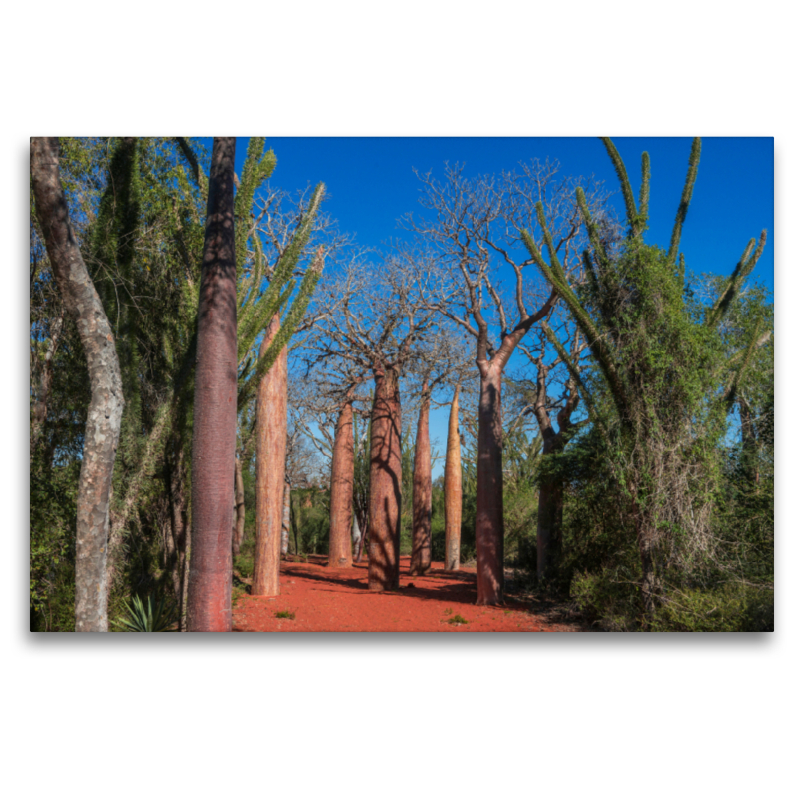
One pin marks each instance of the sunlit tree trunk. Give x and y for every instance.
(271, 430)
(423, 490)
(340, 553)
(489, 531)
(105, 409)
(214, 429)
(286, 525)
(452, 492)
(385, 488)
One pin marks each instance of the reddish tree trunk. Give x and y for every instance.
(423, 490)
(271, 429)
(340, 552)
(385, 484)
(489, 523)
(238, 524)
(215, 398)
(105, 409)
(452, 492)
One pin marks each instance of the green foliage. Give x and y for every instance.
(284, 614)
(457, 620)
(149, 616)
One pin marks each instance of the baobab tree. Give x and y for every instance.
(382, 319)
(104, 418)
(443, 358)
(214, 445)
(474, 229)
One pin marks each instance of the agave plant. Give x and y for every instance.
(148, 616)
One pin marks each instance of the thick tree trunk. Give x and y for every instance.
(105, 409)
(489, 524)
(385, 484)
(286, 525)
(271, 429)
(452, 492)
(215, 398)
(238, 525)
(340, 553)
(423, 490)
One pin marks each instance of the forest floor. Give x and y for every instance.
(316, 598)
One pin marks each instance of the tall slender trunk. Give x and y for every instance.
(238, 526)
(356, 538)
(179, 527)
(340, 553)
(489, 531)
(271, 429)
(105, 409)
(452, 492)
(286, 525)
(423, 490)
(215, 397)
(385, 484)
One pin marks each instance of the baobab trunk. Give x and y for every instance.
(489, 523)
(452, 492)
(340, 553)
(286, 525)
(385, 482)
(239, 516)
(271, 428)
(104, 415)
(423, 490)
(215, 398)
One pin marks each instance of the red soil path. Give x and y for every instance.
(325, 599)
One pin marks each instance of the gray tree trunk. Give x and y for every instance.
(105, 409)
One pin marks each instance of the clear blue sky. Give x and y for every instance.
(371, 185)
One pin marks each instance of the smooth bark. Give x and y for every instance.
(239, 515)
(489, 528)
(105, 409)
(385, 489)
(271, 429)
(340, 552)
(422, 490)
(286, 524)
(452, 492)
(215, 399)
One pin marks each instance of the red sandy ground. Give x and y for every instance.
(324, 599)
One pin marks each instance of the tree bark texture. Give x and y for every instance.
(385, 484)
(423, 490)
(238, 524)
(271, 429)
(452, 492)
(286, 525)
(105, 409)
(215, 399)
(549, 518)
(489, 530)
(340, 552)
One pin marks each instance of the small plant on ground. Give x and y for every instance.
(284, 614)
(148, 616)
(457, 620)
(448, 611)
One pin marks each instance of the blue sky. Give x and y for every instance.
(371, 184)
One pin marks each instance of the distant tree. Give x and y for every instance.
(473, 228)
(105, 409)
(452, 490)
